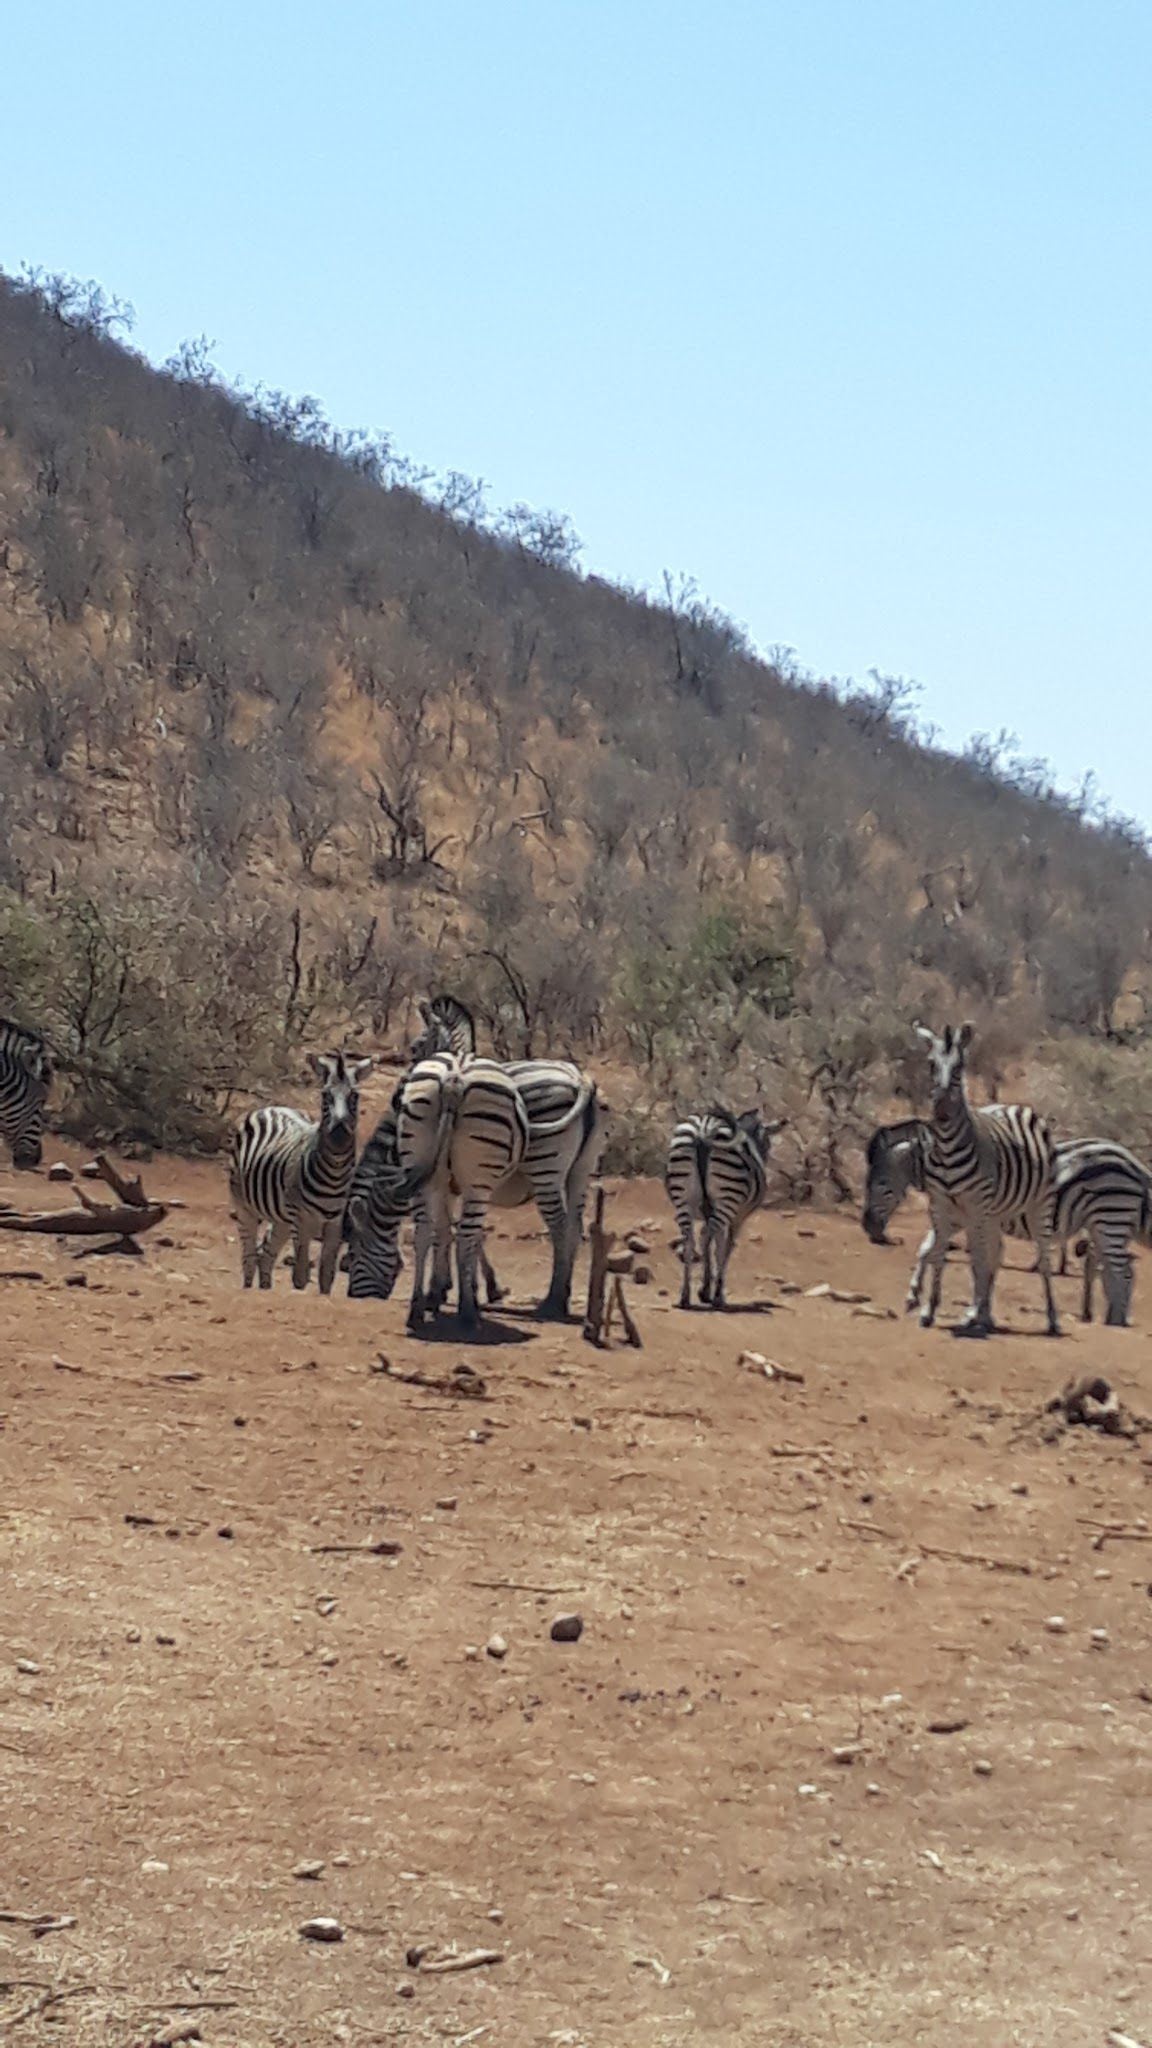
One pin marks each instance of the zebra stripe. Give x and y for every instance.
(716, 1173)
(568, 1121)
(378, 1202)
(459, 1127)
(1101, 1193)
(25, 1078)
(293, 1174)
(981, 1172)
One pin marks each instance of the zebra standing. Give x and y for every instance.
(25, 1078)
(717, 1172)
(377, 1206)
(980, 1172)
(1102, 1196)
(293, 1174)
(567, 1129)
(459, 1128)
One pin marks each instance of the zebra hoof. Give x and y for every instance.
(550, 1311)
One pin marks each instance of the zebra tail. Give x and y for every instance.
(703, 1154)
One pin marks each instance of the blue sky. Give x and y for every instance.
(842, 307)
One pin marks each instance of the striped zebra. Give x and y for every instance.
(25, 1078)
(567, 1129)
(1101, 1200)
(716, 1173)
(377, 1206)
(979, 1173)
(293, 1174)
(460, 1128)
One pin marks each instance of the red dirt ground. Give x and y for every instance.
(649, 1825)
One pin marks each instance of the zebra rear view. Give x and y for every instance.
(293, 1174)
(459, 1128)
(25, 1078)
(716, 1175)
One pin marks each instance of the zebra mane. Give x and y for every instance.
(18, 1036)
(726, 1116)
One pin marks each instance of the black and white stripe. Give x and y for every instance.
(378, 1204)
(716, 1174)
(568, 1128)
(293, 1174)
(460, 1129)
(980, 1173)
(1101, 1199)
(25, 1078)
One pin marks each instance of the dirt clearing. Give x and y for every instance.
(721, 1814)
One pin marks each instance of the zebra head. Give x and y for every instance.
(339, 1080)
(448, 1027)
(25, 1078)
(946, 1058)
(374, 1260)
(895, 1160)
(758, 1129)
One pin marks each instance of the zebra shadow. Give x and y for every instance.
(491, 1331)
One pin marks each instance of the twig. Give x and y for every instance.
(1113, 1532)
(518, 1586)
(10, 1273)
(92, 1219)
(473, 1959)
(992, 1564)
(42, 2004)
(387, 1547)
(40, 1923)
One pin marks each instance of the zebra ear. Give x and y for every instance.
(964, 1036)
(425, 1010)
(321, 1064)
(923, 1032)
(359, 1070)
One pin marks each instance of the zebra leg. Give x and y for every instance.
(707, 1255)
(275, 1238)
(554, 1306)
(1088, 1282)
(492, 1286)
(916, 1283)
(1043, 1248)
(1116, 1268)
(424, 1230)
(984, 1245)
(441, 1286)
(247, 1230)
(469, 1236)
(723, 1252)
(330, 1243)
(687, 1254)
(301, 1253)
(932, 1254)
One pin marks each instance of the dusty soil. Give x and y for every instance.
(650, 1825)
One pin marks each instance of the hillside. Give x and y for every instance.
(294, 731)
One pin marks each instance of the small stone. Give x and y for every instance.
(824, 1289)
(58, 1171)
(642, 1275)
(845, 1753)
(626, 1613)
(133, 1635)
(791, 1287)
(982, 1767)
(567, 1628)
(326, 1605)
(152, 1867)
(1056, 1625)
(225, 1530)
(322, 1929)
(90, 1171)
(406, 1990)
(1019, 1487)
(27, 1668)
(873, 1791)
(496, 1647)
(311, 1868)
(75, 1279)
(638, 1244)
(447, 1503)
(1099, 1638)
(329, 1657)
(497, 1916)
(471, 1653)
(341, 1863)
(807, 1791)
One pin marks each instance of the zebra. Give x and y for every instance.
(717, 1172)
(567, 1130)
(459, 1127)
(25, 1078)
(1102, 1199)
(293, 1174)
(979, 1173)
(377, 1206)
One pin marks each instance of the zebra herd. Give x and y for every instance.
(461, 1129)
(470, 1132)
(996, 1172)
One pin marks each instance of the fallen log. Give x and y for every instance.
(96, 1219)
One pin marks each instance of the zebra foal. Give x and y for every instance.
(292, 1175)
(716, 1174)
(25, 1078)
(981, 1174)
